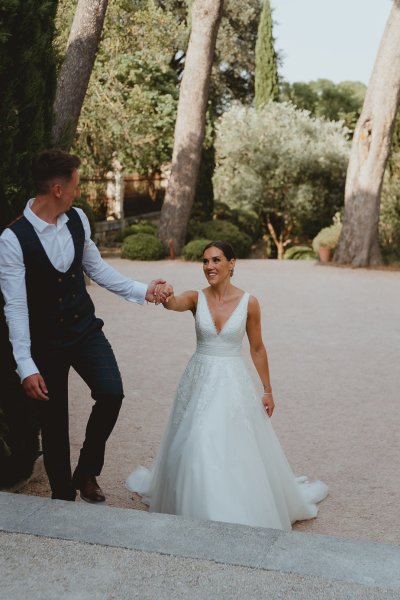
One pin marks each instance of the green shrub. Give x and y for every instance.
(140, 227)
(247, 221)
(389, 222)
(222, 230)
(328, 237)
(194, 249)
(142, 246)
(300, 253)
(88, 210)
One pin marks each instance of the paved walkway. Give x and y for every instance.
(333, 337)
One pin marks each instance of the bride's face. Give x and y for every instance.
(216, 266)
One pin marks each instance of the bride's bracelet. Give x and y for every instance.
(267, 394)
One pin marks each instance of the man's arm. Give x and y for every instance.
(108, 277)
(12, 283)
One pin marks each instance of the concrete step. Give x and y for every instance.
(346, 563)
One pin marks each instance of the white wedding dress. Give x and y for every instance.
(219, 458)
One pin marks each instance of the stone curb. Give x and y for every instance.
(304, 554)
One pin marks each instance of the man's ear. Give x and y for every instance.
(57, 190)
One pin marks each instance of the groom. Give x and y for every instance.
(52, 323)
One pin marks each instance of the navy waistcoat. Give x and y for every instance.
(60, 308)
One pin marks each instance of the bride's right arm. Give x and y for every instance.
(185, 301)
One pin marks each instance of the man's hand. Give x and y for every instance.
(158, 291)
(35, 387)
(163, 293)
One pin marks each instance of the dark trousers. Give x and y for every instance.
(93, 359)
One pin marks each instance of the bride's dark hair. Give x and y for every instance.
(224, 246)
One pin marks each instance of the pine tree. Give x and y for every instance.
(27, 84)
(266, 79)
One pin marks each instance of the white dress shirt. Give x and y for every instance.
(59, 247)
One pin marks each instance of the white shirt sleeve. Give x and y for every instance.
(12, 282)
(105, 275)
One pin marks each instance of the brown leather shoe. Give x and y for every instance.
(90, 490)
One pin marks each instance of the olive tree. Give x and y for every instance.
(284, 164)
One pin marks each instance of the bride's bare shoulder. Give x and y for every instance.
(253, 305)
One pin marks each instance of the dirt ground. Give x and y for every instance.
(333, 338)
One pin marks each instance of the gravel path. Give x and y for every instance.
(333, 338)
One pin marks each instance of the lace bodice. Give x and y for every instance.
(228, 341)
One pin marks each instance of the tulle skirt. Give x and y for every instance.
(219, 457)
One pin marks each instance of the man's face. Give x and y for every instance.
(66, 190)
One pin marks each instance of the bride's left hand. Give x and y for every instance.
(269, 404)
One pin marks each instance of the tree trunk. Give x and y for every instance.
(77, 67)
(359, 242)
(190, 123)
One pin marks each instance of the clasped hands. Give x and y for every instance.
(159, 291)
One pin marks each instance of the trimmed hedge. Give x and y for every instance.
(140, 227)
(222, 230)
(142, 246)
(194, 250)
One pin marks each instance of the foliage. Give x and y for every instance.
(232, 75)
(27, 83)
(262, 166)
(389, 221)
(140, 227)
(88, 210)
(204, 195)
(393, 166)
(234, 66)
(142, 246)
(246, 220)
(323, 98)
(194, 250)
(299, 253)
(222, 230)
(328, 237)
(266, 75)
(130, 107)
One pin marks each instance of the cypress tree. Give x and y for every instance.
(27, 84)
(266, 76)
(27, 88)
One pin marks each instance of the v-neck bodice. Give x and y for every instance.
(226, 342)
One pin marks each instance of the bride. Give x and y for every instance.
(219, 457)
